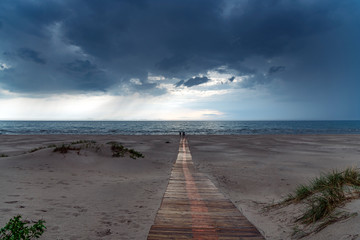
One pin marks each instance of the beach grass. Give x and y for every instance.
(36, 149)
(325, 193)
(65, 148)
(119, 150)
(85, 144)
(83, 141)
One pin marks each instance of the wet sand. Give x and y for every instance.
(88, 194)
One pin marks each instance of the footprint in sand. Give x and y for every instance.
(135, 225)
(140, 206)
(41, 210)
(67, 213)
(123, 221)
(62, 182)
(11, 202)
(5, 210)
(55, 228)
(80, 209)
(103, 233)
(350, 237)
(107, 223)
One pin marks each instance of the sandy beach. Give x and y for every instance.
(88, 194)
(254, 171)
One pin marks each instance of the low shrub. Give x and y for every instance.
(16, 229)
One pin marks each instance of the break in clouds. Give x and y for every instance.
(114, 46)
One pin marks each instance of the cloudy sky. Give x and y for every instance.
(179, 59)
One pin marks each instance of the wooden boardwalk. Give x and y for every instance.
(193, 208)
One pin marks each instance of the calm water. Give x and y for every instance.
(173, 127)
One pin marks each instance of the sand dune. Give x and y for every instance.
(89, 195)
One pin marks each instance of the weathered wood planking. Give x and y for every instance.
(193, 208)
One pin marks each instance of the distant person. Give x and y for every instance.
(179, 133)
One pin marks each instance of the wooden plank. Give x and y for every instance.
(193, 208)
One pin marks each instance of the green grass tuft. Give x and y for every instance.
(323, 205)
(42, 147)
(325, 193)
(83, 141)
(302, 192)
(65, 148)
(135, 154)
(36, 149)
(119, 150)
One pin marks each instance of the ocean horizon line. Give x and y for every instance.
(271, 120)
(173, 127)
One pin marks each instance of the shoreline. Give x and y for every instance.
(95, 192)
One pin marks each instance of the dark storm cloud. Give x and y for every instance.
(192, 82)
(231, 79)
(89, 45)
(172, 64)
(196, 81)
(275, 69)
(180, 83)
(30, 55)
(80, 66)
(88, 75)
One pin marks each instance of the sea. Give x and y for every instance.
(173, 127)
